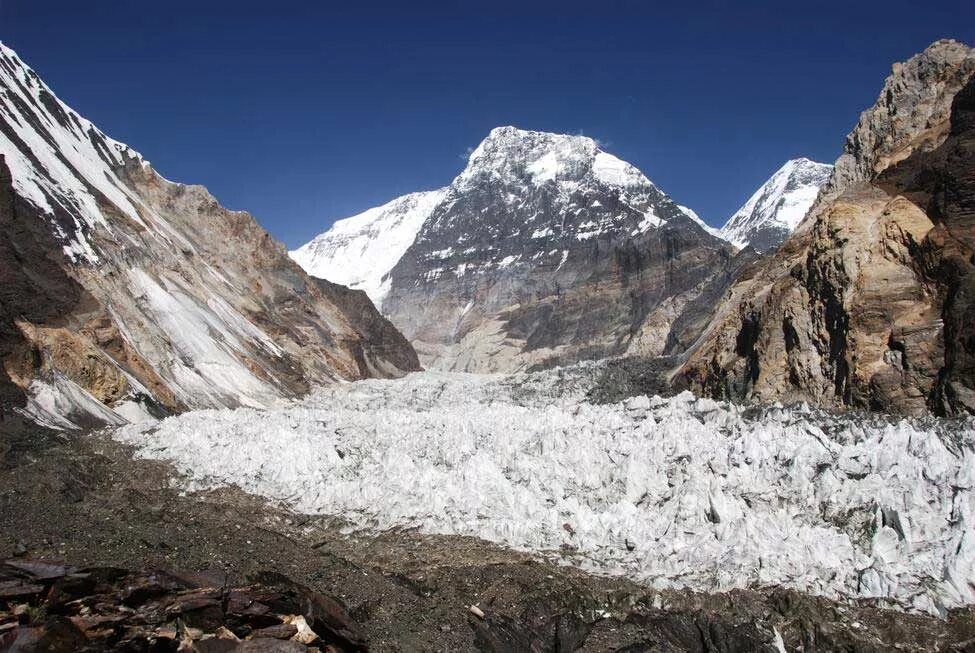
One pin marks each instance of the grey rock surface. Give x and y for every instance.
(545, 250)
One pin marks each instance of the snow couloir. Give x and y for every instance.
(678, 492)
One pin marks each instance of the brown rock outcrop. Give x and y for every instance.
(865, 305)
(48, 606)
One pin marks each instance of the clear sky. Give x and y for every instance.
(306, 112)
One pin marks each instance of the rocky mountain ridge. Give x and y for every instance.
(866, 304)
(125, 294)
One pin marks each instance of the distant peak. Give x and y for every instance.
(801, 167)
(510, 131)
(804, 162)
(507, 130)
(777, 207)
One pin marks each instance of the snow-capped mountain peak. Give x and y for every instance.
(359, 251)
(586, 192)
(487, 266)
(778, 206)
(542, 157)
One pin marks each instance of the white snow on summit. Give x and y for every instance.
(547, 157)
(778, 206)
(359, 251)
(678, 492)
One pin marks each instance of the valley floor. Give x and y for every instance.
(416, 467)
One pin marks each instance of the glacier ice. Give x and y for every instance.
(672, 492)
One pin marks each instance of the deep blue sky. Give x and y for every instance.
(305, 112)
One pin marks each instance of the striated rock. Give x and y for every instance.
(127, 296)
(866, 304)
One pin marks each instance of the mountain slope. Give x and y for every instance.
(126, 293)
(545, 249)
(379, 236)
(778, 206)
(868, 303)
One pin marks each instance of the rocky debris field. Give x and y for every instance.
(58, 607)
(84, 499)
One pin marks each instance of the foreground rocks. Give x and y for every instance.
(54, 607)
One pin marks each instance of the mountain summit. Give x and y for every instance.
(777, 207)
(360, 251)
(544, 249)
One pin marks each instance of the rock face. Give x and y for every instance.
(778, 206)
(546, 250)
(125, 294)
(868, 303)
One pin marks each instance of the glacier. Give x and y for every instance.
(671, 492)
